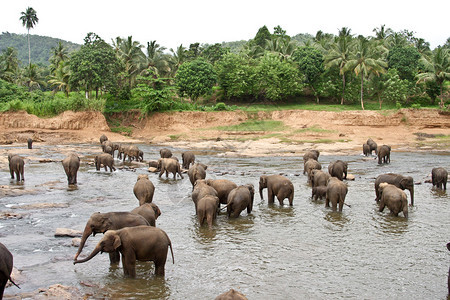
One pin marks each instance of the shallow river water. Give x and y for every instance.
(300, 252)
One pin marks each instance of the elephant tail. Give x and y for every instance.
(13, 282)
(171, 250)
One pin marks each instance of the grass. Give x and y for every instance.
(122, 130)
(314, 128)
(254, 125)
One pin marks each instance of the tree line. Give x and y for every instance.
(389, 66)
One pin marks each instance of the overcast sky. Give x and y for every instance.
(176, 22)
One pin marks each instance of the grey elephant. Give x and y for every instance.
(6, 266)
(121, 151)
(338, 169)
(132, 152)
(103, 138)
(336, 193)
(239, 199)
(319, 178)
(373, 146)
(169, 165)
(311, 165)
(311, 154)
(142, 243)
(231, 295)
(202, 189)
(144, 189)
(394, 198)
(16, 166)
(439, 177)
(106, 160)
(165, 153)
(319, 192)
(400, 181)
(115, 146)
(197, 171)
(71, 164)
(30, 143)
(150, 211)
(277, 185)
(102, 222)
(207, 210)
(223, 188)
(384, 154)
(366, 150)
(107, 147)
(188, 158)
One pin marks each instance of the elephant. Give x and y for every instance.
(16, 166)
(132, 152)
(6, 266)
(188, 159)
(102, 222)
(319, 192)
(169, 165)
(336, 192)
(202, 189)
(103, 138)
(319, 178)
(394, 198)
(207, 209)
(30, 143)
(121, 151)
(106, 160)
(373, 146)
(165, 153)
(277, 185)
(71, 164)
(142, 243)
(231, 295)
(366, 150)
(115, 146)
(439, 177)
(144, 189)
(311, 154)
(140, 155)
(223, 188)
(150, 211)
(153, 164)
(384, 154)
(310, 165)
(338, 169)
(197, 171)
(107, 144)
(400, 181)
(239, 199)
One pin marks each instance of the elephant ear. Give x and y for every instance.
(106, 223)
(117, 242)
(404, 182)
(263, 180)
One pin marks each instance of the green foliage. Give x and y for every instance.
(154, 94)
(255, 125)
(405, 60)
(261, 36)
(310, 62)
(415, 106)
(195, 79)
(10, 92)
(214, 53)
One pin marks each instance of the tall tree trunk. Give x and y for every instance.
(29, 48)
(362, 90)
(343, 88)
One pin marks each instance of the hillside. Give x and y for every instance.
(41, 46)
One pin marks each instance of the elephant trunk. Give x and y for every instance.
(87, 232)
(94, 253)
(411, 192)
(260, 192)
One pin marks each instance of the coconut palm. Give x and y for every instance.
(8, 63)
(365, 62)
(130, 53)
(156, 61)
(282, 46)
(32, 77)
(60, 78)
(178, 58)
(29, 20)
(436, 69)
(59, 54)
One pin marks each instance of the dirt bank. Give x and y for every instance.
(329, 132)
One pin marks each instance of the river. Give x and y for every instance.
(299, 252)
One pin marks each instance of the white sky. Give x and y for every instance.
(176, 22)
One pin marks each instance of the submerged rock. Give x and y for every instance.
(63, 232)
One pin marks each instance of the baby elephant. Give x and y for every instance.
(394, 198)
(150, 211)
(439, 177)
(319, 192)
(239, 199)
(207, 209)
(16, 164)
(169, 165)
(144, 189)
(143, 243)
(106, 160)
(71, 164)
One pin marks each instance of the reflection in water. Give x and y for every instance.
(266, 254)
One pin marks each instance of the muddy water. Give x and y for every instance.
(299, 252)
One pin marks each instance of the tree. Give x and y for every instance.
(195, 78)
(59, 54)
(405, 60)
(156, 61)
(310, 64)
(178, 58)
(261, 36)
(29, 20)
(94, 66)
(437, 69)
(214, 53)
(389, 87)
(8, 64)
(60, 78)
(33, 78)
(365, 62)
(131, 55)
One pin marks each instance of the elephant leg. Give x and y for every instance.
(159, 267)
(341, 205)
(334, 204)
(12, 173)
(3, 285)
(129, 266)
(270, 196)
(291, 200)
(382, 205)
(114, 257)
(327, 201)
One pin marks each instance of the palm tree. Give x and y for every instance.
(60, 54)
(339, 55)
(365, 62)
(60, 78)
(178, 58)
(281, 46)
(130, 53)
(8, 63)
(29, 19)
(33, 78)
(156, 60)
(437, 69)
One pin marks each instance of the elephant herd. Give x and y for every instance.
(133, 235)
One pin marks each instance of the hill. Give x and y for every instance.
(41, 46)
